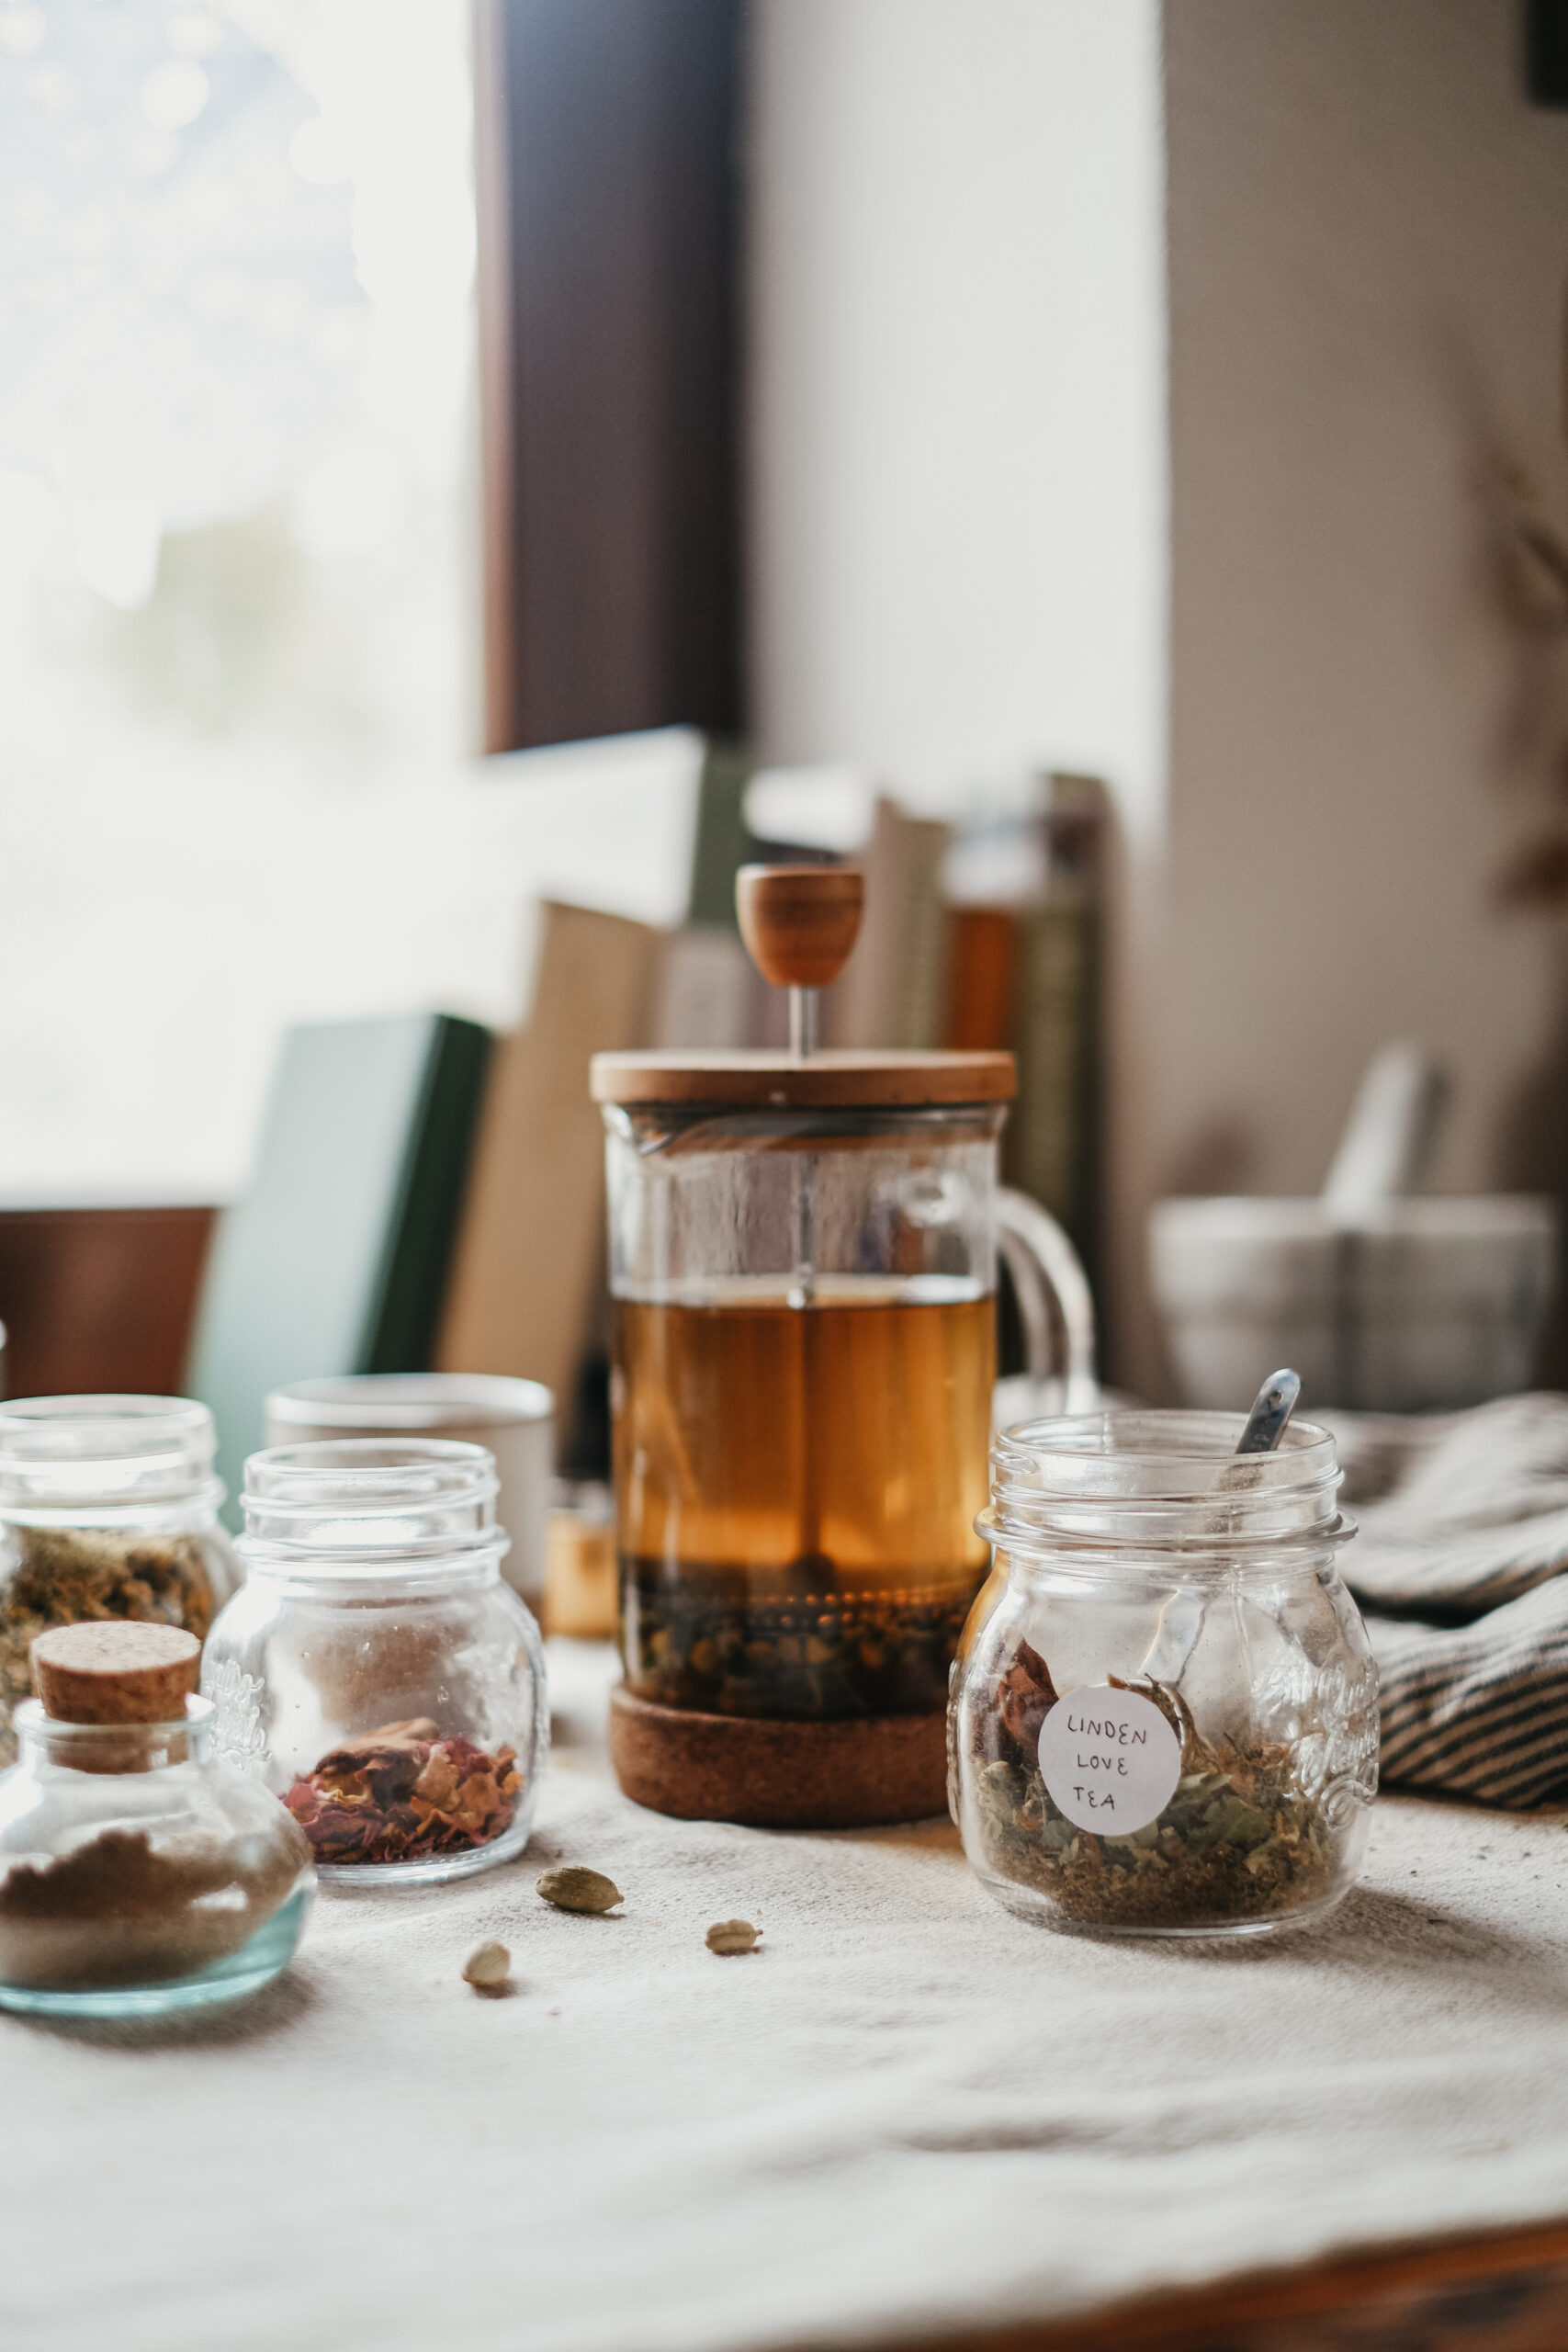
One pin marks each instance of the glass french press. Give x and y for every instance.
(803, 1253)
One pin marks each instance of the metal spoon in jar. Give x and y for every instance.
(1272, 1408)
(1181, 1618)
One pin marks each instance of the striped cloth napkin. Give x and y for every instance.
(1461, 1572)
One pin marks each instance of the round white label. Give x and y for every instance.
(1109, 1759)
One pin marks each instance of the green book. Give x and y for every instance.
(335, 1259)
(722, 841)
(1052, 1144)
(1044, 1148)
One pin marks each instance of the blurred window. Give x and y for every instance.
(237, 588)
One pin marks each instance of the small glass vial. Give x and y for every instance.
(109, 1509)
(138, 1874)
(1164, 1713)
(373, 1669)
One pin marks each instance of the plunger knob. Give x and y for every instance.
(800, 921)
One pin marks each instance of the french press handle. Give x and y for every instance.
(1053, 1294)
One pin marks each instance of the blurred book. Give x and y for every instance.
(894, 991)
(1052, 1147)
(336, 1257)
(527, 1269)
(722, 841)
(981, 979)
(705, 990)
(1025, 972)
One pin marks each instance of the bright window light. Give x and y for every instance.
(237, 570)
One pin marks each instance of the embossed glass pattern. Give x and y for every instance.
(374, 1670)
(1179, 1601)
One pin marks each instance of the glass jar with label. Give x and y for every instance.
(373, 1668)
(109, 1509)
(1163, 1710)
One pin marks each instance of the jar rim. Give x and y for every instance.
(368, 1467)
(381, 1507)
(1149, 1480)
(1159, 1433)
(87, 1454)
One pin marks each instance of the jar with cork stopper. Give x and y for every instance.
(109, 1509)
(138, 1874)
(803, 1263)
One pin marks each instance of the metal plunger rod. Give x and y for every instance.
(802, 1023)
(800, 923)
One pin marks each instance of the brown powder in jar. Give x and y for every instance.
(119, 1910)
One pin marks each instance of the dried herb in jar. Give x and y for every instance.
(71, 1576)
(1239, 1838)
(404, 1792)
(709, 1642)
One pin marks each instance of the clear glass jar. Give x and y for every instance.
(109, 1508)
(1164, 1713)
(137, 1873)
(374, 1668)
(804, 1352)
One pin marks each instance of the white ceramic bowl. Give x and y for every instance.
(1430, 1304)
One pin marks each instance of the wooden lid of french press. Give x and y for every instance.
(800, 923)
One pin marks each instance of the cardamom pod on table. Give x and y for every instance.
(486, 1967)
(572, 1888)
(732, 1935)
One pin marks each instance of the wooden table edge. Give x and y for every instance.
(1190, 2317)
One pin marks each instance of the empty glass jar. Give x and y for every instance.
(108, 1509)
(139, 1875)
(1164, 1713)
(374, 1668)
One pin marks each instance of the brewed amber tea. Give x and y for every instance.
(797, 1481)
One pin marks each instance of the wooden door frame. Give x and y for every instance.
(609, 191)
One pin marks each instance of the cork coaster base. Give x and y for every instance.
(778, 1775)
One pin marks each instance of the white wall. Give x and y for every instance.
(961, 438)
(957, 420)
(1368, 234)
(957, 396)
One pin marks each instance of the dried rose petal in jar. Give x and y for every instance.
(375, 1667)
(404, 1792)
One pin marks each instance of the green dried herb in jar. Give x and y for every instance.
(1163, 1717)
(1239, 1838)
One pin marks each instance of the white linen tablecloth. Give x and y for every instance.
(906, 2113)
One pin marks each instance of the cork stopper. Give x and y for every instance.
(800, 921)
(117, 1672)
